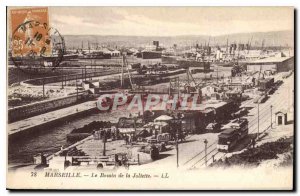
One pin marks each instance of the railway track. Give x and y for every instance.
(212, 152)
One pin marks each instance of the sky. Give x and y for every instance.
(170, 21)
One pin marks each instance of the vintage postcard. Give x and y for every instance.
(150, 98)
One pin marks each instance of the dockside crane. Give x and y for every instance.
(191, 83)
(125, 64)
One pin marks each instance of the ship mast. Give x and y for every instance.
(250, 42)
(125, 59)
(227, 46)
(122, 71)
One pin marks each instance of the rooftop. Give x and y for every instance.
(207, 105)
(281, 112)
(270, 60)
(227, 132)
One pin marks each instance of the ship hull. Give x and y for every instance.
(95, 57)
(189, 63)
(151, 55)
(169, 60)
(185, 63)
(228, 64)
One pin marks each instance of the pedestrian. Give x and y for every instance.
(253, 143)
(129, 138)
(226, 161)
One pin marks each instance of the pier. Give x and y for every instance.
(51, 118)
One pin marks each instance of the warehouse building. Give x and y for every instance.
(277, 64)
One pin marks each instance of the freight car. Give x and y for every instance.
(265, 84)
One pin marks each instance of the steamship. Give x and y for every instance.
(152, 52)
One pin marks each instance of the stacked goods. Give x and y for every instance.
(286, 75)
(72, 152)
(87, 130)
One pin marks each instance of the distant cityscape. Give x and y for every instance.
(271, 39)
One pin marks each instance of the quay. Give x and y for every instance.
(51, 118)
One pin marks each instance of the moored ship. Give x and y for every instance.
(168, 59)
(152, 52)
(185, 63)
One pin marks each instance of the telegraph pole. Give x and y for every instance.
(82, 74)
(76, 89)
(104, 143)
(85, 73)
(271, 115)
(217, 74)
(62, 77)
(177, 153)
(187, 73)
(62, 81)
(257, 120)
(43, 88)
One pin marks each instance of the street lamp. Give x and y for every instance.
(104, 139)
(271, 115)
(205, 150)
(177, 150)
(62, 77)
(76, 88)
(179, 117)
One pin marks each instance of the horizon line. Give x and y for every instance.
(180, 35)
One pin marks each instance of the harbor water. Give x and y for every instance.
(52, 139)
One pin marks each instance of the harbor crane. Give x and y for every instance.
(125, 64)
(190, 85)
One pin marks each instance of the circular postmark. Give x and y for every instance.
(36, 47)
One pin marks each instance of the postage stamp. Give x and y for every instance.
(30, 32)
(34, 43)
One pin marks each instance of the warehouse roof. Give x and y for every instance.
(270, 60)
(163, 118)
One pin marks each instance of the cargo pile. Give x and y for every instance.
(87, 130)
(254, 156)
(72, 152)
(20, 95)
